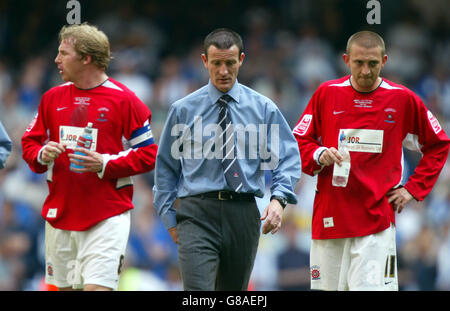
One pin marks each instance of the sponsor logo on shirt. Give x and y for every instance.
(434, 122)
(68, 135)
(338, 112)
(303, 125)
(32, 123)
(362, 140)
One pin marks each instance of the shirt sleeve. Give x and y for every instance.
(5, 146)
(307, 132)
(427, 136)
(167, 172)
(141, 157)
(284, 157)
(34, 138)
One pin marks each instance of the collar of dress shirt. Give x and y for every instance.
(214, 94)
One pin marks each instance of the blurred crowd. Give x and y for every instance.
(291, 47)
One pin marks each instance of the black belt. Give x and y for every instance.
(226, 196)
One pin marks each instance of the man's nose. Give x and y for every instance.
(365, 69)
(223, 70)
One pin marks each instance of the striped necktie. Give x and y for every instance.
(231, 168)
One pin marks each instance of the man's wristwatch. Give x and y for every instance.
(282, 200)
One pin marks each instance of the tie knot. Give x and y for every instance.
(224, 99)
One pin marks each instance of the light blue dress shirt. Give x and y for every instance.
(5, 146)
(186, 162)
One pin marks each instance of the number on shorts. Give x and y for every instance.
(389, 270)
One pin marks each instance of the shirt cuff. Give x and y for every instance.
(291, 197)
(106, 158)
(318, 153)
(169, 219)
(414, 191)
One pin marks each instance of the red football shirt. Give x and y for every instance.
(79, 201)
(375, 125)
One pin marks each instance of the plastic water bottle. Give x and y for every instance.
(341, 173)
(84, 141)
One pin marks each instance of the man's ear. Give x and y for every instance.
(205, 60)
(87, 59)
(346, 59)
(241, 58)
(383, 62)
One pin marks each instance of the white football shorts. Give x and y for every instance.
(367, 263)
(94, 256)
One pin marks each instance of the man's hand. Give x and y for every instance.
(174, 234)
(272, 214)
(330, 156)
(398, 198)
(92, 161)
(51, 151)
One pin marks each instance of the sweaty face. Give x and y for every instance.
(365, 65)
(223, 66)
(68, 61)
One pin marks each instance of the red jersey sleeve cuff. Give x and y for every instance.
(415, 191)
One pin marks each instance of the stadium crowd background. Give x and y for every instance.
(291, 47)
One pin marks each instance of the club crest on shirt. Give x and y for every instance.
(315, 273)
(102, 114)
(49, 269)
(390, 115)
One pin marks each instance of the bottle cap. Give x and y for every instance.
(88, 128)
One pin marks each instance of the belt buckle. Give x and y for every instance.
(223, 197)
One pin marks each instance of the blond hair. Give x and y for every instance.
(88, 40)
(366, 39)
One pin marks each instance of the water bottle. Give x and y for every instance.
(341, 173)
(84, 141)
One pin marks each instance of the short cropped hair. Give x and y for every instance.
(223, 38)
(88, 40)
(366, 39)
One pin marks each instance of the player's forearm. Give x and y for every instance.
(130, 162)
(30, 155)
(309, 152)
(427, 171)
